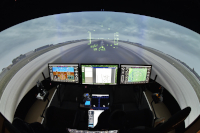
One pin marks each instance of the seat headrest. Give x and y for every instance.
(181, 115)
(117, 118)
(175, 120)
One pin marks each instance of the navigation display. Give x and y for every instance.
(99, 74)
(64, 73)
(135, 74)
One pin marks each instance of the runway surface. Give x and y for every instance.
(85, 54)
(81, 52)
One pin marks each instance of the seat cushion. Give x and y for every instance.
(22, 126)
(58, 118)
(25, 127)
(37, 127)
(140, 118)
(117, 119)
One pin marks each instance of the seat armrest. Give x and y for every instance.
(21, 125)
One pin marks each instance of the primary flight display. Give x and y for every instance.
(64, 73)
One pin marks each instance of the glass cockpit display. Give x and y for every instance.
(99, 74)
(64, 73)
(93, 116)
(135, 74)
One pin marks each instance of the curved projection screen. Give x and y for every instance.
(99, 37)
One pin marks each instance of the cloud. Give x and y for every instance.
(165, 36)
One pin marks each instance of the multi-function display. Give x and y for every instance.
(135, 74)
(99, 74)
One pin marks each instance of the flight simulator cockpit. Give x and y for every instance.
(96, 101)
(100, 98)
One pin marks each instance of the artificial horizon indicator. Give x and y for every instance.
(64, 73)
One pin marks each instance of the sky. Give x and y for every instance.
(63, 69)
(170, 38)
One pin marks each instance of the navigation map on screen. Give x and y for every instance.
(135, 74)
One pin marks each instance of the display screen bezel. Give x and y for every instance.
(100, 95)
(98, 64)
(133, 65)
(65, 64)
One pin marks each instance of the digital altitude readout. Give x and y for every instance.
(64, 73)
